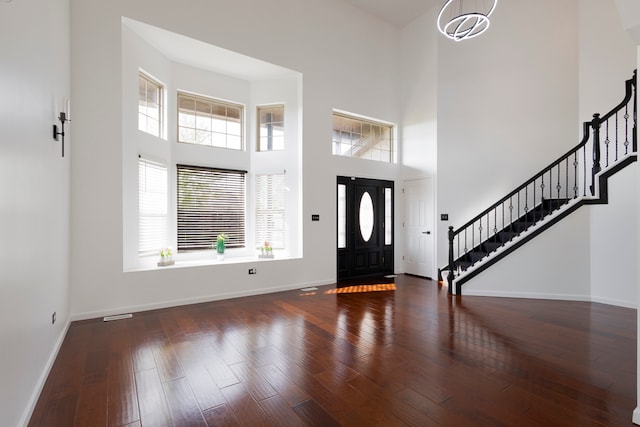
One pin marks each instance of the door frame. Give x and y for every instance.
(432, 227)
(361, 258)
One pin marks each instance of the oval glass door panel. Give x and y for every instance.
(366, 216)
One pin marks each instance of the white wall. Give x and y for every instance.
(507, 106)
(554, 265)
(418, 90)
(34, 206)
(348, 61)
(606, 60)
(614, 270)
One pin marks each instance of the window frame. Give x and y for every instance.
(161, 103)
(274, 212)
(368, 147)
(212, 102)
(237, 234)
(163, 233)
(259, 122)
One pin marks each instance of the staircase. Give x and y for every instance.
(577, 178)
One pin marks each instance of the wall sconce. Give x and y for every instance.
(63, 118)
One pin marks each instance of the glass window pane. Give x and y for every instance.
(213, 121)
(370, 140)
(234, 142)
(388, 220)
(342, 216)
(149, 105)
(366, 216)
(271, 128)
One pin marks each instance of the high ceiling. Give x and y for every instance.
(396, 12)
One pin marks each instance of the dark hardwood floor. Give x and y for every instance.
(415, 356)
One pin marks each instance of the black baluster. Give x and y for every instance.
(451, 260)
(634, 133)
(626, 129)
(534, 201)
(511, 213)
(606, 141)
(473, 238)
(558, 186)
(575, 174)
(466, 244)
(551, 184)
(595, 124)
(495, 223)
(566, 178)
(584, 171)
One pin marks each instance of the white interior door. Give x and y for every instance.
(419, 227)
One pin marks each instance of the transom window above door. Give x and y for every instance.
(362, 138)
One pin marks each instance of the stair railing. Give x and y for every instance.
(565, 179)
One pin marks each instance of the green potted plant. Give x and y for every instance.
(220, 245)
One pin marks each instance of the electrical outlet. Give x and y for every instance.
(252, 271)
(53, 318)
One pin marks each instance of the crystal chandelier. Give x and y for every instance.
(460, 20)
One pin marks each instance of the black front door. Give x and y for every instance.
(365, 227)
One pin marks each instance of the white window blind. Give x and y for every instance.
(270, 210)
(210, 202)
(152, 207)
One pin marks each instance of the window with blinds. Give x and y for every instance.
(152, 207)
(364, 139)
(208, 121)
(271, 128)
(270, 210)
(149, 105)
(210, 202)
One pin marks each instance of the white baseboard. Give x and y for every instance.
(616, 302)
(196, 300)
(529, 295)
(33, 400)
(539, 295)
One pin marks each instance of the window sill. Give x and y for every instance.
(204, 262)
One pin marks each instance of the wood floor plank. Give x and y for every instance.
(182, 404)
(221, 416)
(278, 411)
(313, 414)
(205, 390)
(154, 410)
(413, 356)
(281, 383)
(122, 406)
(245, 408)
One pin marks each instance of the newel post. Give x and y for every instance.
(634, 82)
(595, 125)
(451, 261)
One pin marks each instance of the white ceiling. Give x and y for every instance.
(396, 12)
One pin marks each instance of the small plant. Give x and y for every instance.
(266, 249)
(166, 252)
(220, 242)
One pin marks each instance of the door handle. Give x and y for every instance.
(426, 232)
